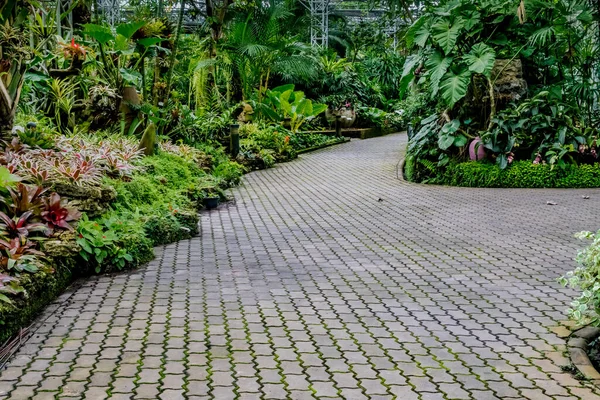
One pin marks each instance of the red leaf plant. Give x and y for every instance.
(19, 255)
(57, 213)
(20, 227)
(25, 198)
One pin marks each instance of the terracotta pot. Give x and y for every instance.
(476, 150)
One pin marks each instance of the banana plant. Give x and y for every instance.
(283, 103)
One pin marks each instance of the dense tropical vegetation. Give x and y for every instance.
(505, 82)
(116, 130)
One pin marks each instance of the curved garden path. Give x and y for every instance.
(310, 287)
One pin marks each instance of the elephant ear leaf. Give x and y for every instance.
(437, 65)
(99, 33)
(318, 108)
(418, 33)
(130, 28)
(481, 59)
(454, 86)
(446, 34)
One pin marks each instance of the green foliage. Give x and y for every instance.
(520, 174)
(454, 41)
(35, 131)
(129, 231)
(283, 102)
(586, 279)
(100, 247)
(229, 172)
(7, 179)
(542, 127)
(164, 229)
(480, 59)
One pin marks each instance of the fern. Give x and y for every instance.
(429, 165)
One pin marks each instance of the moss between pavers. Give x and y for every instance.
(43, 288)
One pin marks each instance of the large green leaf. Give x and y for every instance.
(412, 32)
(445, 141)
(5, 299)
(151, 41)
(318, 108)
(283, 88)
(418, 33)
(446, 34)
(304, 107)
(437, 65)
(542, 36)
(99, 33)
(121, 43)
(481, 59)
(454, 86)
(410, 64)
(131, 76)
(130, 28)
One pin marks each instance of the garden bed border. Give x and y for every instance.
(577, 347)
(322, 146)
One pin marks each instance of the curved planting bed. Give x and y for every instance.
(521, 174)
(86, 205)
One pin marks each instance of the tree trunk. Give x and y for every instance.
(130, 97)
(174, 51)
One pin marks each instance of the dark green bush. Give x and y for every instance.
(164, 229)
(229, 172)
(521, 174)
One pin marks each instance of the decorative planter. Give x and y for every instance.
(211, 203)
(476, 150)
(348, 116)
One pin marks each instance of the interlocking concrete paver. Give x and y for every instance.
(329, 278)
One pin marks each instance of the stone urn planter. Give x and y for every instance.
(348, 116)
(476, 150)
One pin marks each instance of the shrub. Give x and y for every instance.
(230, 172)
(520, 174)
(164, 229)
(172, 170)
(586, 278)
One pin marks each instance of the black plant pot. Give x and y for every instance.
(211, 203)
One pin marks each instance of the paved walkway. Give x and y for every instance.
(309, 287)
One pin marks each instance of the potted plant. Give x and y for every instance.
(342, 107)
(212, 201)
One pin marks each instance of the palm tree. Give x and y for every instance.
(260, 45)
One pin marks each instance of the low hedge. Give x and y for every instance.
(520, 174)
(42, 288)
